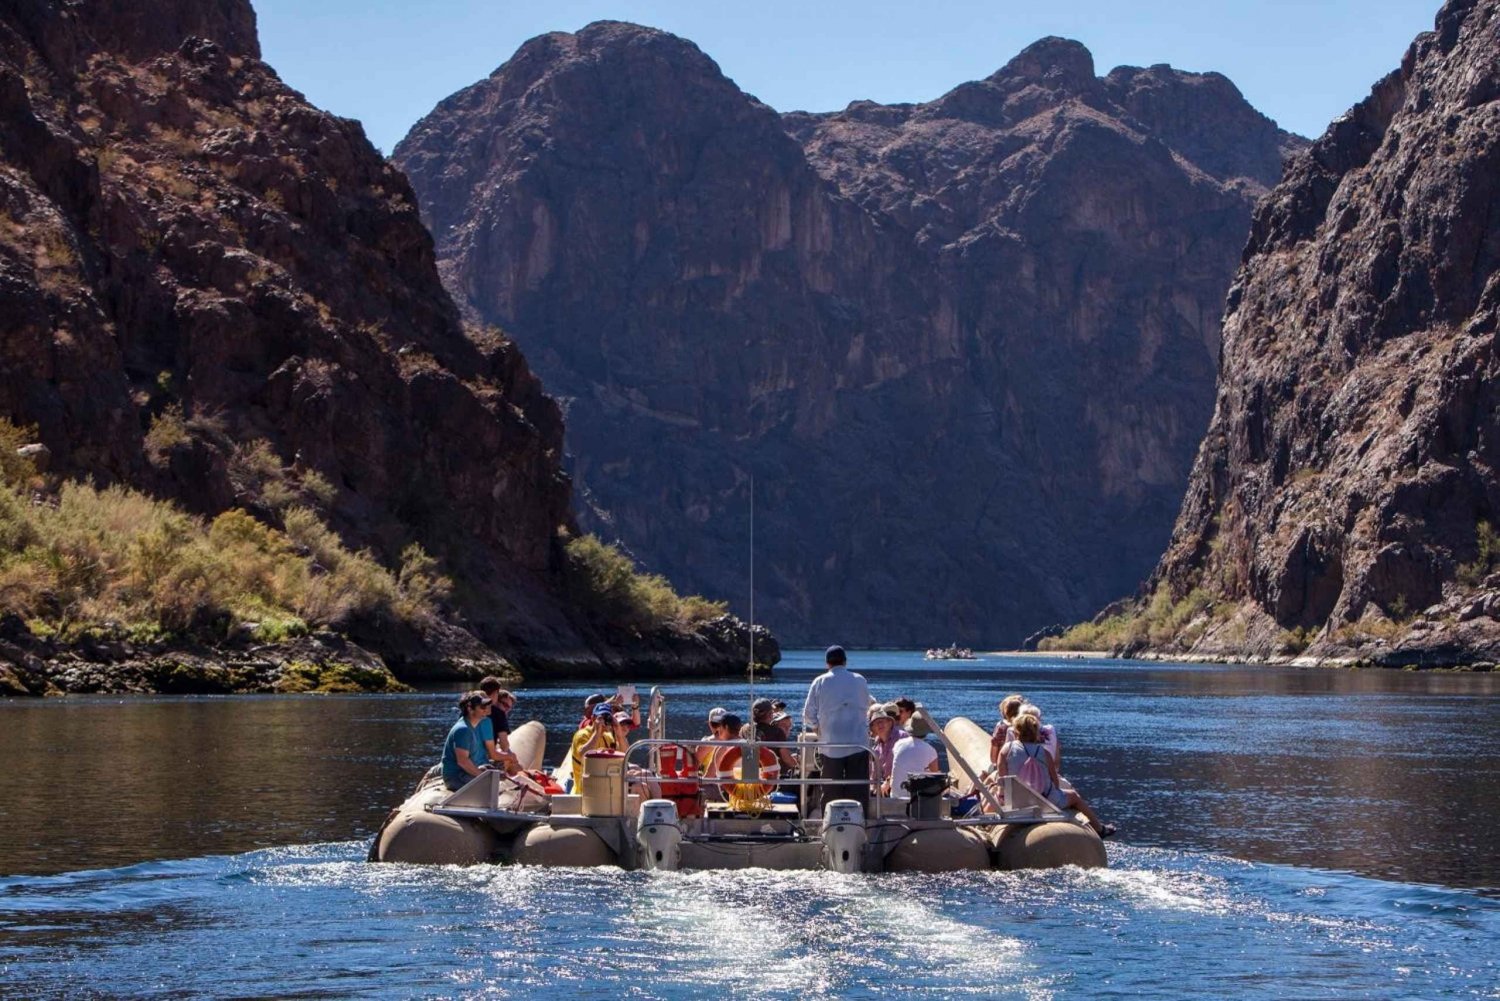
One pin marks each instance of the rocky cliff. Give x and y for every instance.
(1346, 496)
(965, 349)
(216, 292)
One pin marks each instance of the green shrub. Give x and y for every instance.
(15, 469)
(168, 431)
(1488, 545)
(605, 582)
(1158, 622)
(114, 561)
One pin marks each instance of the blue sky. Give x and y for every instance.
(1302, 62)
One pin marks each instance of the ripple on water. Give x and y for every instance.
(317, 920)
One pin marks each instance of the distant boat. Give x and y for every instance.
(954, 652)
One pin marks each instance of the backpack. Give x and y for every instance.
(1033, 770)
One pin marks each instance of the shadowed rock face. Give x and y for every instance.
(1355, 448)
(182, 229)
(966, 349)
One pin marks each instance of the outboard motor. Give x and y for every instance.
(843, 836)
(926, 796)
(659, 836)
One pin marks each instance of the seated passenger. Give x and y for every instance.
(588, 710)
(883, 736)
(905, 718)
(723, 762)
(911, 756)
(781, 722)
(598, 735)
(497, 741)
(1048, 732)
(1009, 706)
(1026, 757)
(716, 717)
(463, 750)
(639, 778)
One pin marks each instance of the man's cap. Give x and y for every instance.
(603, 709)
(592, 701)
(717, 714)
(622, 718)
(761, 707)
(834, 655)
(780, 716)
(892, 710)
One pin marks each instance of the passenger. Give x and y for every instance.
(1048, 732)
(598, 735)
(1028, 746)
(906, 719)
(463, 750)
(1009, 706)
(723, 762)
(781, 721)
(883, 736)
(835, 710)
(716, 717)
(588, 710)
(911, 756)
(497, 741)
(638, 778)
(762, 712)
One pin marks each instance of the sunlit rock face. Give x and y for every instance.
(966, 349)
(186, 239)
(1353, 455)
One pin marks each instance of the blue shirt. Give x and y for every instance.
(467, 737)
(484, 731)
(838, 706)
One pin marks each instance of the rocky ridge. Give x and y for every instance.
(965, 348)
(194, 260)
(1344, 503)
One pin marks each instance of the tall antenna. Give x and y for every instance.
(751, 717)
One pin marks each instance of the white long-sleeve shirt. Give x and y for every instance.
(838, 707)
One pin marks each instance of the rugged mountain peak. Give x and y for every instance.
(1060, 63)
(1347, 493)
(1042, 76)
(1204, 117)
(959, 343)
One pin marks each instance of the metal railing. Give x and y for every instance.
(802, 782)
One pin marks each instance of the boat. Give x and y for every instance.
(954, 652)
(673, 821)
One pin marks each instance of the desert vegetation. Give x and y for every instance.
(606, 583)
(1158, 622)
(77, 559)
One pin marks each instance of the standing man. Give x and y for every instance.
(836, 707)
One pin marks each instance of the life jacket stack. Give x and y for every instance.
(677, 762)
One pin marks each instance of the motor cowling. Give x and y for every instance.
(843, 836)
(659, 836)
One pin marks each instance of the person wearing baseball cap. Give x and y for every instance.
(835, 710)
(599, 733)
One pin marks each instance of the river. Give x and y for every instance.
(1283, 832)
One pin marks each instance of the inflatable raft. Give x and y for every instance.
(672, 819)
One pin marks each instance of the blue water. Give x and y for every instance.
(1284, 834)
